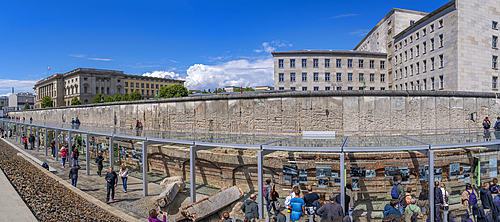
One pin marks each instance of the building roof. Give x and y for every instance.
(328, 51)
(385, 18)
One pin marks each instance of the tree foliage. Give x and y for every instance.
(27, 106)
(117, 98)
(99, 98)
(136, 95)
(244, 89)
(47, 102)
(173, 91)
(125, 97)
(108, 99)
(76, 101)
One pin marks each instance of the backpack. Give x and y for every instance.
(77, 121)
(402, 201)
(414, 217)
(472, 198)
(394, 192)
(494, 189)
(386, 212)
(486, 125)
(267, 190)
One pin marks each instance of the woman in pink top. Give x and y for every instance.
(153, 216)
(64, 153)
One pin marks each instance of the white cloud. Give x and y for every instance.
(232, 73)
(360, 32)
(100, 59)
(344, 15)
(271, 46)
(19, 85)
(78, 55)
(162, 74)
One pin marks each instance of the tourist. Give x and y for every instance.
(486, 198)
(398, 191)
(112, 180)
(98, 161)
(297, 206)
(408, 196)
(391, 210)
(124, 175)
(469, 197)
(412, 207)
(25, 142)
(45, 165)
(267, 196)
(332, 210)
(72, 123)
(309, 199)
(73, 174)
(64, 153)
(348, 192)
(32, 141)
(77, 123)
(225, 217)
(438, 201)
(446, 196)
(494, 186)
(153, 216)
(251, 209)
(289, 197)
(275, 204)
(53, 146)
(75, 154)
(486, 124)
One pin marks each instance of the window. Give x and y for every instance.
(315, 63)
(292, 88)
(97, 90)
(126, 84)
(316, 88)
(417, 36)
(116, 80)
(304, 77)
(349, 63)
(382, 77)
(441, 42)
(494, 41)
(280, 63)
(107, 90)
(136, 85)
(494, 25)
(494, 84)
(406, 71)
(147, 92)
(156, 86)
(339, 77)
(425, 84)
(315, 77)
(406, 56)
(411, 53)
(85, 79)
(424, 32)
(142, 92)
(432, 44)
(412, 22)
(418, 85)
(292, 63)
(440, 23)
(327, 63)
(339, 87)
(396, 59)
(424, 63)
(411, 86)
(360, 63)
(406, 86)
(424, 47)
(372, 64)
(304, 63)
(349, 77)
(417, 68)
(126, 90)
(406, 42)
(372, 88)
(441, 61)
(372, 77)
(432, 28)
(142, 85)
(494, 63)
(147, 85)
(401, 73)
(327, 77)
(349, 88)
(339, 63)
(411, 70)
(327, 88)
(292, 77)
(304, 88)
(441, 82)
(411, 39)
(84, 89)
(281, 88)
(383, 88)
(281, 77)
(360, 88)
(382, 64)
(396, 75)
(432, 63)
(102, 90)
(361, 77)
(417, 51)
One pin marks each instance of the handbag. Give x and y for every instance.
(277, 205)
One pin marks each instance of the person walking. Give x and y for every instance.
(53, 146)
(348, 192)
(438, 202)
(486, 124)
(309, 199)
(267, 196)
(98, 161)
(251, 209)
(398, 191)
(32, 141)
(73, 174)
(25, 142)
(332, 210)
(153, 216)
(469, 197)
(486, 198)
(64, 154)
(75, 154)
(112, 180)
(297, 206)
(225, 217)
(72, 123)
(446, 196)
(124, 175)
(77, 123)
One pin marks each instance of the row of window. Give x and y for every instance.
(417, 34)
(421, 85)
(142, 85)
(417, 50)
(328, 88)
(416, 69)
(338, 63)
(361, 77)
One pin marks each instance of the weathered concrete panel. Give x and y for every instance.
(456, 109)
(398, 113)
(351, 113)
(413, 113)
(382, 117)
(428, 108)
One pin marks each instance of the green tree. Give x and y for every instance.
(47, 102)
(219, 90)
(125, 97)
(26, 106)
(99, 98)
(117, 98)
(135, 95)
(173, 91)
(108, 99)
(204, 91)
(76, 101)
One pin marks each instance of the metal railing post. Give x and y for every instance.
(87, 155)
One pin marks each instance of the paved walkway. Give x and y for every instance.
(12, 207)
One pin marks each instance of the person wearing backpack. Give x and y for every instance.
(392, 209)
(486, 124)
(486, 198)
(309, 198)
(266, 192)
(75, 154)
(438, 202)
(469, 197)
(397, 192)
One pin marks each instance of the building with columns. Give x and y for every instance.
(85, 84)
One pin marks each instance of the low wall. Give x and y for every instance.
(290, 111)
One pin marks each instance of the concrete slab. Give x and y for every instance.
(12, 207)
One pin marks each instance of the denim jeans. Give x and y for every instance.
(124, 181)
(63, 160)
(73, 181)
(75, 161)
(110, 187)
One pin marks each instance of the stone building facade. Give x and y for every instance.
(453, 48)
(85, 84)
(18, 100)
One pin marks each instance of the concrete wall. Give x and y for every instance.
(290, 111)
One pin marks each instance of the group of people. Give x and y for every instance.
(6, 133)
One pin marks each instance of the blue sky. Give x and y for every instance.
(208, 43)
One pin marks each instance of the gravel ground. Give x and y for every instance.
(45, 197)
